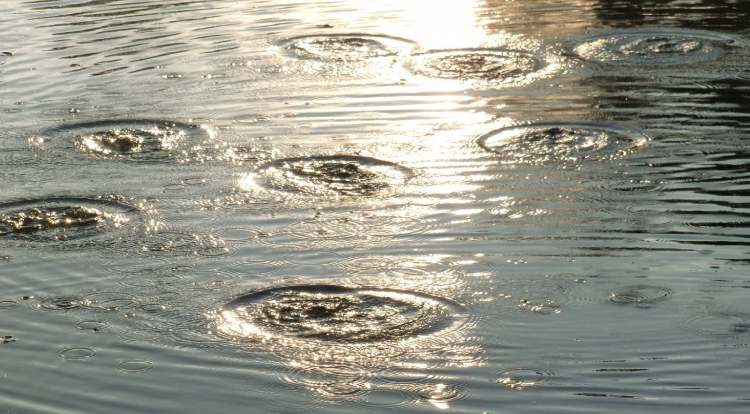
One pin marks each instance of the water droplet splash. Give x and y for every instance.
(61, 219)
(337, 314)
(542, 143)
(142, 140)
(345, 47)
(500, 66)
(523, 378)
(343, 175)
(640, 295)
(656, 48)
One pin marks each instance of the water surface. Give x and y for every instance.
(481, 206)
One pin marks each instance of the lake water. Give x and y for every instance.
(343, 206)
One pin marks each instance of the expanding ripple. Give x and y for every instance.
(544, 142)
(4, 56)
(506, 66)
(523, 378)
(341, 175)
(336, 339)
(143, 140)
(639, 294)
(542, 306)
(656, 47)
(346, 46)
(338, 314)
(60, 219)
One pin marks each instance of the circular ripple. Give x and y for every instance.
(77, 354)
(330, 380)
(658, 48)
(135, 365)
(639, 294)
(109, 301)
(134, 139)
(59, 219)
(560, 142)
(93, 326)
(345, 47)
(523, 378)
(344, 175)
(540, 306)
(338, 314)
(439, 393)
(497, 65)
(63, 303)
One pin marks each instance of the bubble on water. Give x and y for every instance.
(547, 142)
(523, 378)
(639, 294)
(656, 47)
(335, 175)
(499, 66)
(65, 219)
(346, 46)
(143, 140)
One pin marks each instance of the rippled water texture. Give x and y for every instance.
(659, 47)
(339, 206)
(132, 139)
(59, 219)
(552, 142)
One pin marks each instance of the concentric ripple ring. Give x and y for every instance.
(486, 64)
(145, 140)
(346, 175)
(639, 294)
(338, 314)
(544, 142)
(655, 47)
(346, 46)
(58, 219)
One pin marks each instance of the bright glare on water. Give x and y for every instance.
(278, 206)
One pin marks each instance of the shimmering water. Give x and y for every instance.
(337, 206)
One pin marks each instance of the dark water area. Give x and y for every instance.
(338, 206)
